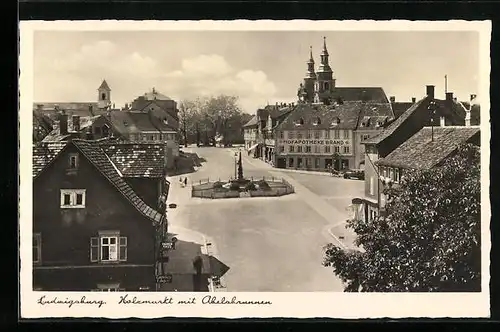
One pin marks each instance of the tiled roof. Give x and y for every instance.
(374, 115)
(135, 122)
(66, 106)
(421, 151)
(252, 122)
(96, 155)
(342, 116)
(55, 136)
(137, 159)
(400, 107)
(389, 130)
(104, 85)
(373, 94)
(44, 154)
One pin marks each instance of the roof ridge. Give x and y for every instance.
(89, 158)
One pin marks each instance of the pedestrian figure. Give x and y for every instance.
(185, 181)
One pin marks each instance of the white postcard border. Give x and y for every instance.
(300, 305)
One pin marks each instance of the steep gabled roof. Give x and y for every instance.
(400, 107)
(428, 147)
(95, 154)
(391, 128)
(137, 159)
(97, 157)
(44, 154)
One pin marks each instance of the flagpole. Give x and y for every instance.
(445, 84)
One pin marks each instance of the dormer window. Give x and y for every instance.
(365, 122)
(335, 122)
(317, 121)
(300, 122)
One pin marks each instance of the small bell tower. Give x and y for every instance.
(325, 82)
(309, 79)
(104, 95)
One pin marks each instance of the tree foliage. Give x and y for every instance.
(206, 118)
(428, 239)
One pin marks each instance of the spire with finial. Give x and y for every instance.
(325, 51)
(310, 65)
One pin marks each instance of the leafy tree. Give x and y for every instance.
(214, 116)
(428, 239)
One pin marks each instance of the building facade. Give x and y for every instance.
(426, 112)
(91, 231)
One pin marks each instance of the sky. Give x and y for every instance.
(259, 67)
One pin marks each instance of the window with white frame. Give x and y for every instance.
(316, 149)
(346, 133)
(299, 148)
(308, 149)
(281, 134)
(327, 149)
(73, 198)
(73, 160)
(317, 134)
(397, 176)
(282, 148)
(347, 150)
(291, 134)
(108, 247)
(337, 149)
(309, 134)
(37, 247)
(299, 134)
(336, 134)
(327, 133)
(391, 174)
(290, 148)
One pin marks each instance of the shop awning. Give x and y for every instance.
(253, 147)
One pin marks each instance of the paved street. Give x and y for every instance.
(270, 244)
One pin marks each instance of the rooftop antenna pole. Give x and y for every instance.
(445, 84)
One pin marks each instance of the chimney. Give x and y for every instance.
(442, 122)
(413, 100)
(91, 110)
(449, 96)
(430, 91)
(63, 124)
(76, 123)
(392, 99)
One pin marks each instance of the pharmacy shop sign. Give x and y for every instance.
(315, 142)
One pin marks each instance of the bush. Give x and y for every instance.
(264, 185)
(250, 186)
(234, 186)
(218, 185)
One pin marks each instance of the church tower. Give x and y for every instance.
(104, 95)
(309, 78)
(325, 82)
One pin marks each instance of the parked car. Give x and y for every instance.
(358, 174)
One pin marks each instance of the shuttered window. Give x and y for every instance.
(108, 247)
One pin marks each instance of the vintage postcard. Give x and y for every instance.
(240, 169)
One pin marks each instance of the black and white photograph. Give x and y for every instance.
(240, 164)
